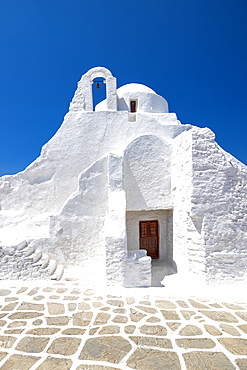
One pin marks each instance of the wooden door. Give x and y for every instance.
(149, 238)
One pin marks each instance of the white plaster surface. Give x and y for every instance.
(103, 167)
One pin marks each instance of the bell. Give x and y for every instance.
(97, 85)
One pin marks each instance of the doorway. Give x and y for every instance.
(149, 237)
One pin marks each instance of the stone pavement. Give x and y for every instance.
(59, 325)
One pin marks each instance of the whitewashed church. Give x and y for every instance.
(124, 195)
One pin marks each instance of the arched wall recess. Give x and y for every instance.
(83, 98)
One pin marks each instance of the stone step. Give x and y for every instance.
(44, 261)
(52, 266)
(21, 245)
(30, 250)
(37, 255)
(58, 273)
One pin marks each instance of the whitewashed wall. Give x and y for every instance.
(72, 201)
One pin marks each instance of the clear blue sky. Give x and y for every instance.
(194, 53)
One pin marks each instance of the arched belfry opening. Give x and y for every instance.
(98, 90)
(83, 99)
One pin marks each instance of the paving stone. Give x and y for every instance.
(97, 304)
(71, 298)
(189, 330)
(55, 308)
(147, 309)
(48, 289)
(212, 330)
(13, 331)
(96, 367)
(10, 306)
(182, 304)
(242, 315)
(115, 302)
(153, 319)
(75, 291)
(11, 299)
(170, 315)
(93, 331)
(120, 319)
(39, 297)
(119, 310)
(19, 362)
(237, 346)
(129, 329)
(110, 329)
(33, 291)
(229, 329)
(207, 360)
(53, 363)
(72, 306)
(152, 342)
(243, 328)
(22, 290)
(153, 330)
(197, 304)
(37, 322)
(204, 343)
(102, 318)
(135, 315)
(152, 359)
(242, 363)
(233, 306)
(26, 306)
(73, 331)
(82, 318)
(219, 316)
(147, 303)
(215, 305)
(32, 344)
(130, 300)
(43, 331)
(2, 355)
(187, 314)
(4, 292)
(173, 325)
(54, 296)
(105, 309)
(165, 304)
(65, 346)
(61, 290)
(83, 306)
(89, 292)
(113, 296)
(111, 349)
(6, 341)
(57, 320)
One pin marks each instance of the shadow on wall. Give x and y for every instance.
(160, 269)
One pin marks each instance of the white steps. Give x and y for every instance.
(38, 262)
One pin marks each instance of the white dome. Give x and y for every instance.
(147, 101)
(133, 87)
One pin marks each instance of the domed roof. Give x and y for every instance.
(133, 87)
(148, 101)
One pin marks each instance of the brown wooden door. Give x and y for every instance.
(149, 238)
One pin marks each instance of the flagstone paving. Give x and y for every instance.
(62, 326)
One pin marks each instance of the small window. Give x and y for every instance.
(133, 106)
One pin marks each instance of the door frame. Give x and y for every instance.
(149, 236)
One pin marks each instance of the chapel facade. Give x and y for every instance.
(124, 194)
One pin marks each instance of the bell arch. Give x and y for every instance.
(83, 98)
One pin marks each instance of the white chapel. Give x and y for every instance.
(124, 195)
